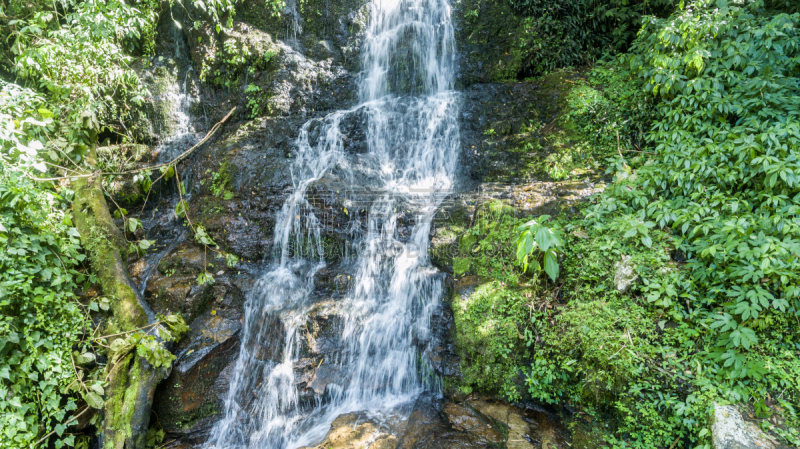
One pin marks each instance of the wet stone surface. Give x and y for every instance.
(237, 183)
(436, 423)
(189, 398)
(358, 430)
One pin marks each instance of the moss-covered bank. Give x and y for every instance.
(131, 380)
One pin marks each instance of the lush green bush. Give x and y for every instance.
(73, 56)
(717, 183)
(725, 174)
(700, 125)
(40, 318)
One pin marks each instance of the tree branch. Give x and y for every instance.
(177, 160)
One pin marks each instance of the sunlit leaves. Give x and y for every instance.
(726, 177)
(536, 238)
(40, 318)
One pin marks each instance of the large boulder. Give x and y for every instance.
(731, 431)
(428, 428)
(357, 430)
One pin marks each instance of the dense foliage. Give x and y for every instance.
(40, 318)
(716, 184)
(567, 33)
(725, 175)
(73, 59)
(698, 122)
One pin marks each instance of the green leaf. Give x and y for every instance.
(94, 400)
(544, 238)
(202, 237)
(205, 278)
(133, 224)
(181, 208)
(551, 264)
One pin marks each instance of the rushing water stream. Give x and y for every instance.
(405, 93)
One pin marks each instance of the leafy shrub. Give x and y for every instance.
(719, 174)
(725, 178)
(611, 111)
(535, 238)
(40, 318)
(39, 255)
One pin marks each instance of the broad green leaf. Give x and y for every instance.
(551, 264)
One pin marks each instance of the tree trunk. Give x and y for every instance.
(132, 381)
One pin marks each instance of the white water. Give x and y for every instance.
(412, 140)
(182, 134)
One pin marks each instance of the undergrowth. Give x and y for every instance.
(698, 125)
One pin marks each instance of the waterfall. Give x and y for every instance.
(412, 142)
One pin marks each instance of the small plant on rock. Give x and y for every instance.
(542, 243)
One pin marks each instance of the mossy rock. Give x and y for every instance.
(489, 320)
(488, 34)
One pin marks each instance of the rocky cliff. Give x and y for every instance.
(281, 71)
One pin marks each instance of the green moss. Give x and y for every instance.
(485, 249)
(107, 247)
(122, 402)
(490, 337)
(461, 265)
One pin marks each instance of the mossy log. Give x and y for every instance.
(132, 381)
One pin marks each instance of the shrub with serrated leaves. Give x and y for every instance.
(725, 178)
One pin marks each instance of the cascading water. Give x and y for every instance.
(412, 141)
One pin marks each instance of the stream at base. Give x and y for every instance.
(410, 110)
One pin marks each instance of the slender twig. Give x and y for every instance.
(51, 433)
(77, 376)
(180, 197)
(124, 220)
(126, 332)
(150, 190)
(177, 160)
(183, 155)
(640, 151)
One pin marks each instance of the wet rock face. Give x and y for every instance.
(501, 424)
(187, 401)
(488, 35)
(190, 399)
(357, 430)
(434, 423)
(490, 114)
(296, 62)
(317, 370)
(172, 287)
(303, 65)
(237, 186)
(428, 428)
(466, 420)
